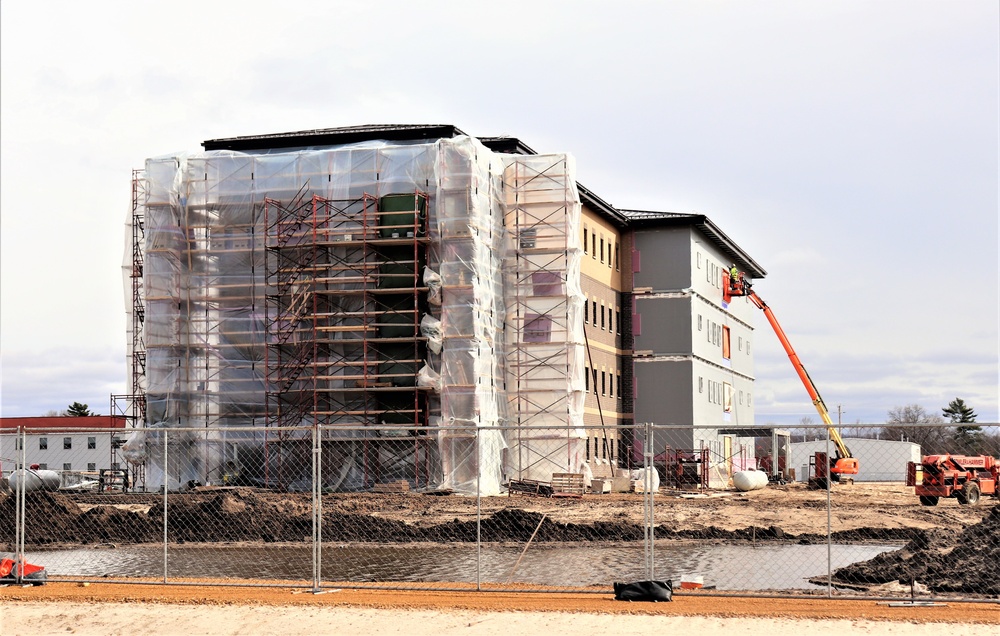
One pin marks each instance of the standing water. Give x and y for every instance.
(727, 567)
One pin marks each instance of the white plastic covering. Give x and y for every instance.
(544, 305)
(503, 272)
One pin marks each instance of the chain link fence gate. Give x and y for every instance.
(509, 509)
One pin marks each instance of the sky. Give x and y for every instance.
(850, 147)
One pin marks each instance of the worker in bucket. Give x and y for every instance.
(734, 275)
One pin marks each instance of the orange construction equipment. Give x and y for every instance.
(843, 463)
(964, 477)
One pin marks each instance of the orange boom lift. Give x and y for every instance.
(842, 463)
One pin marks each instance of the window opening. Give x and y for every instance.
(725, 342)
(43, 443)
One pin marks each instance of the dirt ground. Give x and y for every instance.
(178, 609)
(862, 511)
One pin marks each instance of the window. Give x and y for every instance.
(91, 443)
(725, 342)
(617, 266)
(619, 386)
(727, 397)
(604, 380)
(17, 443)
(91, 466)
(602, 249)
(709, 331)
(595, 380)
(739, 343)
(748, 347)
(699, 258)
(602, 316)
(67, 444)
(537, 328)
(748, 399)
(586, 379)
(593, 246)
(43, 443)
(611, 384)
(588, 448)
(699, 322)
(618, 321)
(584, 239)
(612, 451)
(594, 307)
(741, 397)
(701, 385)
(586, 312)
(597, 446)
(67, 466)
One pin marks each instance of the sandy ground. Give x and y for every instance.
(63, 608)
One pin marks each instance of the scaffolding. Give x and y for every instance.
(545, 336)
(344, 347)
(400, 302)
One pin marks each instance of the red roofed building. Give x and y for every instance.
(62, 444)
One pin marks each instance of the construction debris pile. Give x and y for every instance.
(941, 559)
(410, 299)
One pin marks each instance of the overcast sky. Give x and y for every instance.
(850, 147)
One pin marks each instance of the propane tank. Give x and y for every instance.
(34, 480)
(745, 480)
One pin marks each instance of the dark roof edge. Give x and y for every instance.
(334, 137)
(671, 219)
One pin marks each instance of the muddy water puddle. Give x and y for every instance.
(728, 567)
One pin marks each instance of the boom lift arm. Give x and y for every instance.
(844, 463)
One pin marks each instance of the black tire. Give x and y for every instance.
(970, 494)
(928, 500)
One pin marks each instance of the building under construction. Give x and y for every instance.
(424, 301)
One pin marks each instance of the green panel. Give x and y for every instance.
(402, 213)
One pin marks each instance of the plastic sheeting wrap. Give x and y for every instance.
(502, 272)
(545, 338)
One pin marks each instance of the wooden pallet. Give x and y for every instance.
(568, 485)
(529, 487)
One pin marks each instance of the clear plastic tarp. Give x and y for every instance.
(286, 289)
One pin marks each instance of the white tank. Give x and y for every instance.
(745, 480)
(34, 480)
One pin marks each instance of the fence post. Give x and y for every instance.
(166, 475)
(829, 520)
(647, 480)
(21, 521)
(317, 509)
(479, 513)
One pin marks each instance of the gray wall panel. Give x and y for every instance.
(666, 325)
(664, 258)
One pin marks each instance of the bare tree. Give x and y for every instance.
(912, 423)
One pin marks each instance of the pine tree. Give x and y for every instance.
(969, 438)
(78, 410)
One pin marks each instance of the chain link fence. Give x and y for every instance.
(728, 511)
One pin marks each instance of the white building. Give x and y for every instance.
(67, 445)
(878, 459)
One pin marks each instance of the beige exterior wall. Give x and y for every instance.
(603, 272)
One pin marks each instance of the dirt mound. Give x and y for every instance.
(941, 559)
